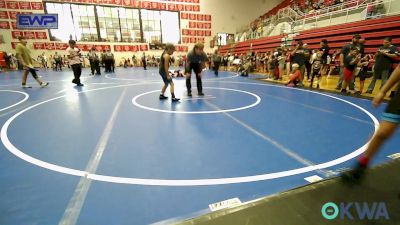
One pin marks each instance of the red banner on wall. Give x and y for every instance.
(146, 5)
(207, 25)
(3, 5)
(4, 25)
(127, 2)
(192, 16)
(3, 15)
(41, 35)
(192, 32)
(192, 24)
(163, 6)
(12, 5)
(201, 39)
(196, 1)
(37, 5)
(144, 48)
(180, 7)
(207, 17)
(193, 40)
(29, 35)
(134, 48)
(196, 8)
(188, 8)
(184, 16)
(16, 33)
(208, 33)
(37, 45)
(200, 32)
(154, 5)
(61, 46)
(24, 5)
(171, 7)
(200, 25)
(200, 17)
(49, 46)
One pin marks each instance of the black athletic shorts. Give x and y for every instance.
(392, 112)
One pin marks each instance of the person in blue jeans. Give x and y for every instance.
(383, 63)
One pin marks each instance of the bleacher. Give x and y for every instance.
(373, 31)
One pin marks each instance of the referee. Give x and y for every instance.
(196, 60)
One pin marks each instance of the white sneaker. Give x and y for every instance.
(44, 84)
(26, 86)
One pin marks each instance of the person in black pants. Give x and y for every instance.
(144, 61)
(216, 62)
(196, 60)
(74, 55)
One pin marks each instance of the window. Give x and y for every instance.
(151, 25)
(170, 27)
(84, 22)
(79, 22)
(109, 23)
(130, 25)
(66, 28)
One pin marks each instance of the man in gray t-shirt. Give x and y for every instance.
(196, 60)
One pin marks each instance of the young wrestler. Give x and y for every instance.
(74, 56)
(316, 69)
(295, 77)
(387, 126)
(24, 57)
(350, 63)
(164, 72)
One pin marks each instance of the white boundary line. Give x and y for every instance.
(193, 182)
(23, 100)
(258, 100)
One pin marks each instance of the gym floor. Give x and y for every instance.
(112, 153)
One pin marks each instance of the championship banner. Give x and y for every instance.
(188, 8)
(3, 15)
(37, 5)
(171, 7)
(196, 8)
(192, 24)
(29, 35)
(49, 46)
(39, 46)
(208, 33)
(200, 25)
(41, 35)
(180, 7)
(144, 48)
(61, 46)
(12, 5)
(200, 32)
(4, 25)
(134, 48)
(200, 17)
(207, 17)
(192, 32)
(3, 5)
(184, 16)
(15, 34)
(162, 6)
(192, 16)
(25, 5)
